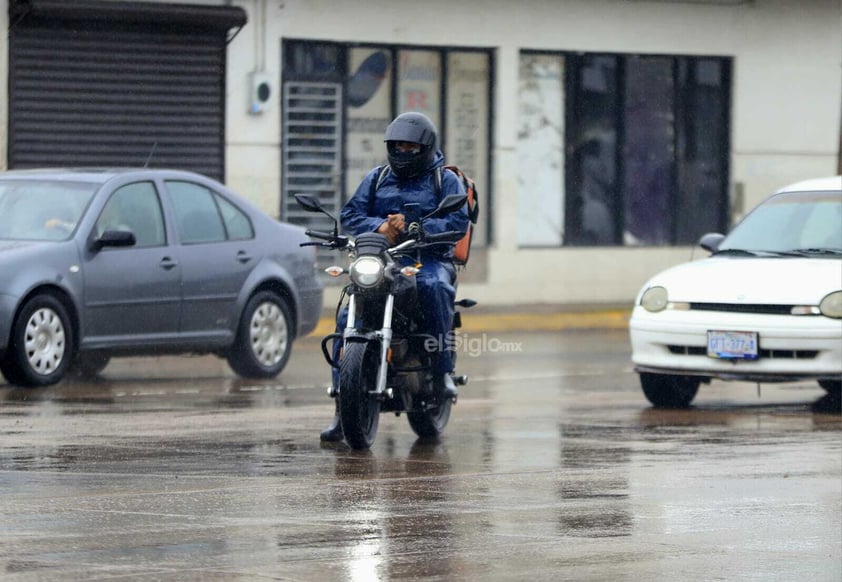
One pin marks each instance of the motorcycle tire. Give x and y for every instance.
(431, 422)
(359, 411)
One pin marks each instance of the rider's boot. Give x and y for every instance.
(333, 433)
(447, 387)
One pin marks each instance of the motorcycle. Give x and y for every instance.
(385, 363)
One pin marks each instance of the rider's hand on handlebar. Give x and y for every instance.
(392, 228)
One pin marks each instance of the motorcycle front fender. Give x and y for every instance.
(349, 335)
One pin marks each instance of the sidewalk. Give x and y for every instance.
(526, 318)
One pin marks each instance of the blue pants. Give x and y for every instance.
(436, 284)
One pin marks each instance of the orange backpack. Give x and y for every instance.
(462, 249)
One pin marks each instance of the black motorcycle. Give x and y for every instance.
(385, 364)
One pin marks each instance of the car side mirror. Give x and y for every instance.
(114, 238)
(711, 241)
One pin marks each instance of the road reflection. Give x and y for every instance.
(395, 507)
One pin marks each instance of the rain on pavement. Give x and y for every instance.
(553, 467)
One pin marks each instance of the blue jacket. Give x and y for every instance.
(359, 215)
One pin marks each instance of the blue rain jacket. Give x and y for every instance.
(359, 215)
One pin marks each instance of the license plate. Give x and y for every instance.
(732, 345)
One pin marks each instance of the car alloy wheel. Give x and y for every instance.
(264, 337)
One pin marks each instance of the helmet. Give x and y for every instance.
(415, 128)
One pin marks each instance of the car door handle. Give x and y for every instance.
(167, 263)
(243, 257)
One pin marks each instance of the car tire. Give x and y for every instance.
(41, 346)
(832, 387)
(264, 337)
(88, 365)
(666, 391)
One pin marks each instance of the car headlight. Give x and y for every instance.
(831, 305)
(654, 299)
(367, 271)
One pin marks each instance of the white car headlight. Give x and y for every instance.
(654, 299)
(831, 305)
(367, 271)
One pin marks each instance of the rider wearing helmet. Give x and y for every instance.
(378, 206)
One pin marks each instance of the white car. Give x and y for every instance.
(766, 306)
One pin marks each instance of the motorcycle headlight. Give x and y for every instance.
(367, 271)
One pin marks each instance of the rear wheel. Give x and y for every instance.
(359, 411)
(264, 337)
(431, 422)
(41, 343)
(666, 391)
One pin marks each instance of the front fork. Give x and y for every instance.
(384, 336)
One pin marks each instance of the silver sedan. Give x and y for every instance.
(103, 263)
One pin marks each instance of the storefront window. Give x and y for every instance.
(645, 142)
(338, 100)
(368, 111)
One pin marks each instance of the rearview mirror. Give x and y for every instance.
(450, 203)
(308, 203)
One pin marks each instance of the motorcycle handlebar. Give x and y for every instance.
(334, 241)
(450, 236)
(319, 234)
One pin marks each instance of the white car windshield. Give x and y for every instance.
(808, 224)
(42, 209)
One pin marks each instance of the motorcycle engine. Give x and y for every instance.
(402, 357)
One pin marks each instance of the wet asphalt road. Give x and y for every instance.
(553, 468)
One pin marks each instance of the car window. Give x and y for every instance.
(205, 216)
(790, 221)
(823, 226)
(136, 208)
(238, 224)
(42, 209)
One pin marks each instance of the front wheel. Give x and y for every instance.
(431, 422)
(359, 410)
(666, 391)
(41, 344)
(264, 337)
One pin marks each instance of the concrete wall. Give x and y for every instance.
(787, 89)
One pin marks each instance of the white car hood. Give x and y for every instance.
(786, 281)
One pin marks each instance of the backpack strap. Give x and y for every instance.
(382, 172)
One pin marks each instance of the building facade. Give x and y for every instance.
(605, 135)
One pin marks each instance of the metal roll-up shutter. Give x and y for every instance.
(123, 92)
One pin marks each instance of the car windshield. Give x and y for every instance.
(42, 209)
(793, 223)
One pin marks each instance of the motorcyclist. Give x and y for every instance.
(377, 206)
